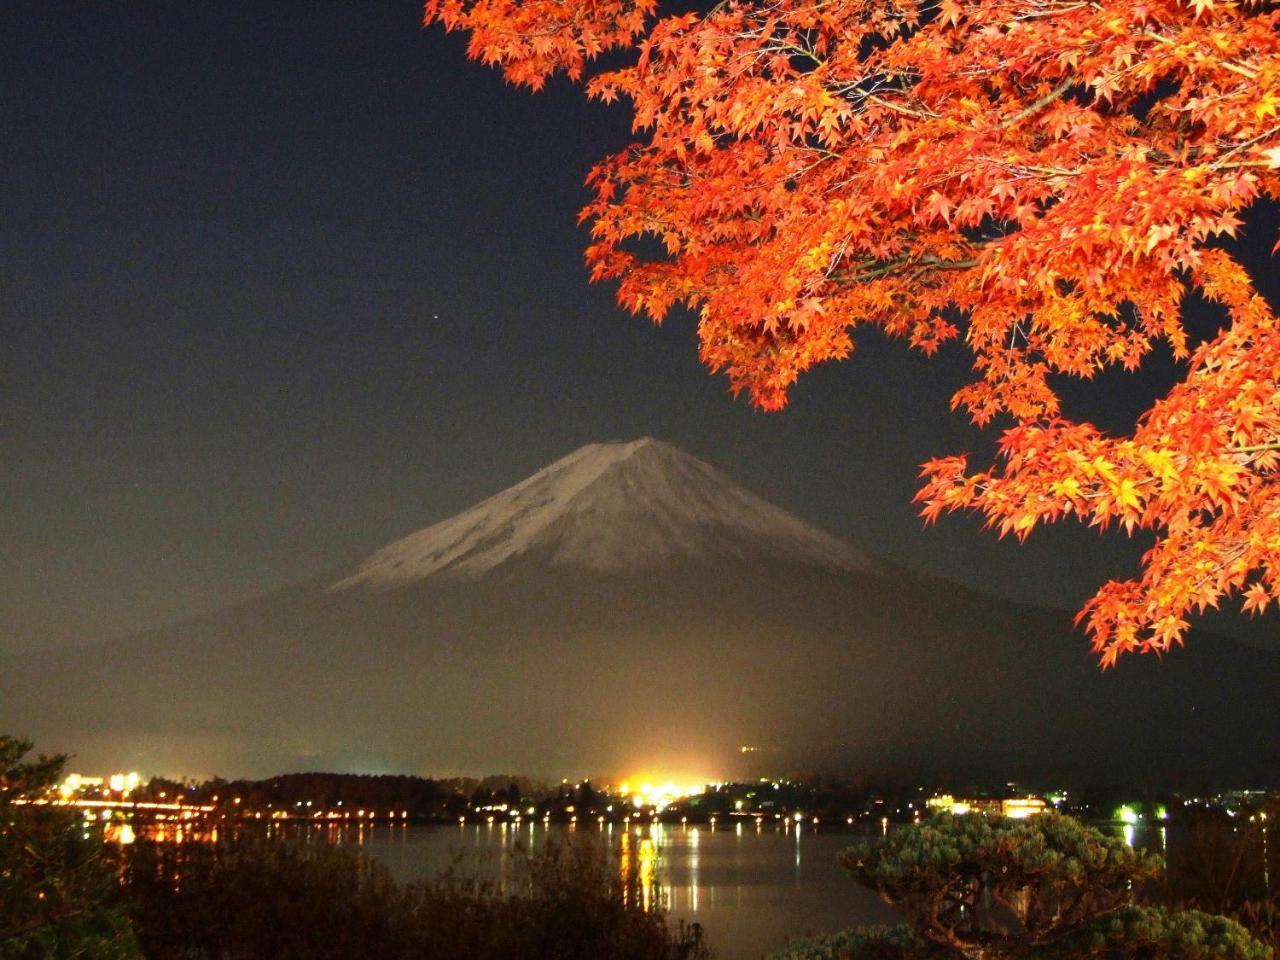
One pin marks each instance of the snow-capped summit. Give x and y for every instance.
(610, 507)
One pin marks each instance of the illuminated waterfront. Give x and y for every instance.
(750, 887)
(753, 863)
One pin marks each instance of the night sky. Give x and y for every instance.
(281, 282)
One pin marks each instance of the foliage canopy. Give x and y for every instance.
(56, 888)
(1000, 886)
(1047, 179)
(1044, 888)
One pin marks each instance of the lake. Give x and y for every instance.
(751, 890)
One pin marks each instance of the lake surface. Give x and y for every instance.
(751, 890)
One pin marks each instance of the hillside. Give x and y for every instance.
(631, 609)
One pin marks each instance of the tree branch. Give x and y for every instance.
(1037, 105)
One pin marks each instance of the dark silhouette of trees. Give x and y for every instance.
(250, 897)
(56, 883)
(1229, 865)
(1044, 888)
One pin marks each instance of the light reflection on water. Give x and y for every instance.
(751, 887)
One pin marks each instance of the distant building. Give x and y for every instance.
(76, 785)
(1017, 808)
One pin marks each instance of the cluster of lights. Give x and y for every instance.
(75, 784)
(640, 803)
(1016, 808)
(659, 796)
(1129, 815)
(330, 815)
(124, 782)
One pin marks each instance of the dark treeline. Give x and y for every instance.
(419, 797)
(832, 800)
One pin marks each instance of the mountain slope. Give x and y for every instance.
(610, 507)
(628, 609)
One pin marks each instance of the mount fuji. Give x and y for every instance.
(611, 508)
(626, 609)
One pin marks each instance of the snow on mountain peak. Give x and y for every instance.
(609, 507)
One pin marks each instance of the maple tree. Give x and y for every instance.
(1047, 179)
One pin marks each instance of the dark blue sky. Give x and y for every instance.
(280, 282)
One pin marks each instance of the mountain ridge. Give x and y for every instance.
(730, 622)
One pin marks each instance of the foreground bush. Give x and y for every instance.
(1133, 933)
(253, 898)
(1045, 888)
(56, 883)
(1224, 864)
